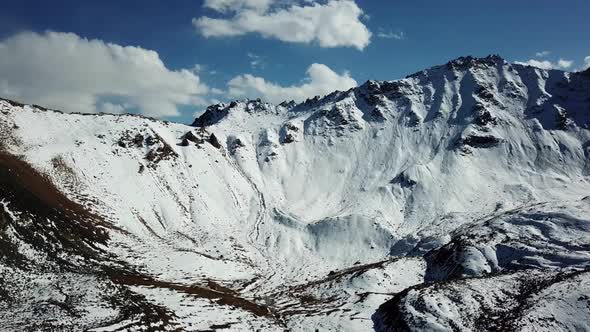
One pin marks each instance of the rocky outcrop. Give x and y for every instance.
(214, 141)
(479, 141)
(502, 274)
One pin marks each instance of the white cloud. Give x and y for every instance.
(333, 24)
(542, 54)
(586, 63)
(321, 80)
(67, 72)
(202, 70)
(112, 108)
(536, 63)
(236, 5)
(561, 64)
(198, 68)
(399, 35)
(564, 64)
(256, 61)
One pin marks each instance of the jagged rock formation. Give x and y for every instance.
(411, 204)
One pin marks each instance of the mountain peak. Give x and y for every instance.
(215, 113)
(492, 59)
(481, 100)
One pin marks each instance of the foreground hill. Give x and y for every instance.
(454, 199)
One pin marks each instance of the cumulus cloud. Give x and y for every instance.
(333, 24)
(399, 35)
(198, 68)
(542, 54)
(113, 108)
(561, 64)
(235, 5)
(67, 72)
(321, 80)
(564, 64)
(256, 61)
(586, 63)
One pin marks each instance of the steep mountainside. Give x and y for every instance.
(453, 199)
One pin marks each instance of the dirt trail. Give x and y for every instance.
(219, 294)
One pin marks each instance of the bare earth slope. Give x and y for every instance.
(454, 199)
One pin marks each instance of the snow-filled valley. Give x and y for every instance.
(456, 199)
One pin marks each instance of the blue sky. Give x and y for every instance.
(406, 36)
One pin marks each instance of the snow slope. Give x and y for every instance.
(303, 216)
(524, 270)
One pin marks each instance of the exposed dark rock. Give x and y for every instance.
(289, 138)
(396, 89)
(292, 127)
(373, 87)
(150, 141)
(184, 142)
(412, 119)
(289, 133)
(311, 101)
(138, 140)
(485, 93)
(235, 145)
(13, 103)
(511, 90)
(257, 105)
(341, 117)
(484, 117)
(463, 63)
(377, 113)
(403, 180)
(163, 151)
(216, 113)
(214, 141)
(374, 99)
(561, 120)
(213, 114)
(480, 141)
(288, 104)
(272, 155)
(192, 137)
(129, 140)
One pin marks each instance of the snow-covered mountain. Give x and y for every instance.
(453, 199)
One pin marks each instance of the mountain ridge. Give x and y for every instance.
(460, 63)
